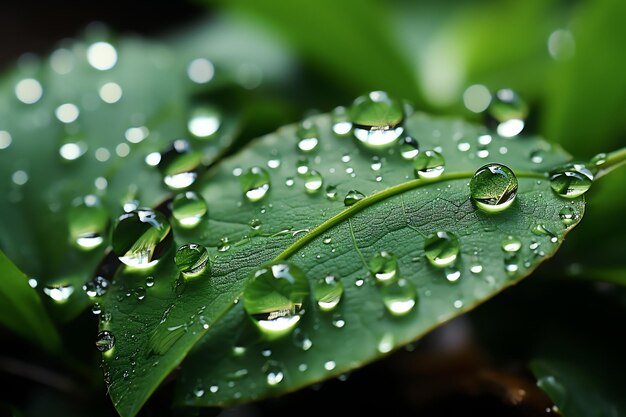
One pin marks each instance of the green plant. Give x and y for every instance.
(249, 270)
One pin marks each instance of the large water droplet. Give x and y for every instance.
(308, 136)
(442, 248)
(255, 183)
(377, 119)
(192, 260)
(328, 293)
(571, 180)
(189, 209)
(141, 237)
(179, 165)
(313, 181)
(428, 164)
(409, 148)
(353, 197)
(105, 341)
(493, 187)
(399, 296)
(384, 266)
(274, 296)
(569, 215)
(88, 222)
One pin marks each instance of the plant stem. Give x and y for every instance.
(610, 161)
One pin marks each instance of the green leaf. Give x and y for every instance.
(322, 237)
(21, 309)
(157, 101)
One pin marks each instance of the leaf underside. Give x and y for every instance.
(155, 334)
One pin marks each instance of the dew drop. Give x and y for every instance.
(189, 209)
(274, 296)
(441, 248)
(331, 192)
(353, 197)
(509, 111)
(341, 121)
(428, 164)
(200, 71)
(385, 345)
(571, 180)
(179, 165)
(192, 260)
(330, 365)
(493, 187)
(409, 148)
(384, 266)
(204, 122)
(198, 391)
(88, 222)
(313, 181)
(110, 92)
(301, 340)
(140, 237)
(569, 215)
(96, 309)
(96, 287)
(452, 274)
(289, 182)
(377, 119)
(338, 321)
(328, 293)
(105, 341)
(308, 136)
(255, 183)
(511, 244)
(476, 268)
(399, 296)
(224, 245)
(59, 293)
(273, 373)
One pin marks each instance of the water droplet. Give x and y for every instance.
(409, 148)
(331, 192)
(59, 293)
(377, 119)
(102, 56)
(224, 245)
(179, 164)
(301, 340)
(571, 180)
(189, 209)
(330, 365)
(87, 223)
(328, 292)
(457, 304)
(493, 187)
(105, 341)
(198, 391)
(511, 263)
(353, 197)
(341, 121)
(476, 268)
(289, 182)
(428, 164)
(536, 156)
(33, 282)
(5, 139)
(399, 296)
(255, 183)
(441, 248)
(28, 91)
(273, 163)
(452, 274)
(302, 166)
(386, 343)
(255, 224)
(96, 308)
(569, 215)
(110, 92)
(509, 111)
(313, 181)
(338, 321)
(541, 230)
(274, 296)
(150, 281)
(200, 71)
(140, 237)
(136, 134)
(273, 373)
(376, 164)
(71, 151)
(140, 293)
(384, 266)
(308, 135)
(203, 122)
(67, 113)
(96, 287)
(511, 244)
(477, 98)
(191, 259)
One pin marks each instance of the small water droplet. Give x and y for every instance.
(338, 321)
(273, 373)
(179, 165)
(569, 215)
(59, 293)
(571, 180)
(301, 340)
(493, 187)
(536, 156)
(192, 260)
(274, 296)
(96, 308)
(224, 245)
(442, 248)
(255, 183)
(409, 148)
(511, 263)
(352, 197)
(452, 274)
(313, 181)
(330, 365)
(289, 182)
(189, 209)
(377, 119)
(308, 136)
(428, 164)
(328, 292)
(386, 343)
(203, 122)
(509, 111)
(384, 266)
(541, 230)
(341, 121)
(399, 296)
(88, 222)
(149, 281)
(198, 391)
(511, 244)
(140, 237)
(457, 304)
(476, 268)
(331, 192)
(96, 287)
(28, 91)
(67, 113)
(105, 341)
(376, 164)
